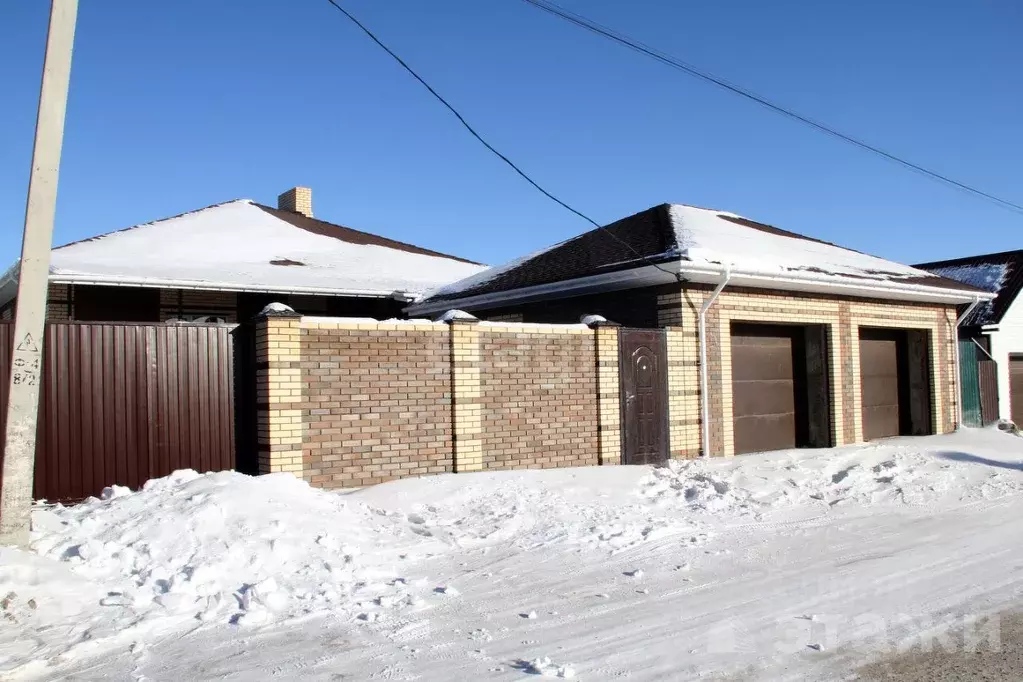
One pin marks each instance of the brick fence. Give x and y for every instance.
(352, 402)
(346, 402)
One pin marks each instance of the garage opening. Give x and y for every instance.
(895, 380)
(781, 395)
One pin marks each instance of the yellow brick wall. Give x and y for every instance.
(350, 403)
(278, 393)
(468, 412)
(609, 427)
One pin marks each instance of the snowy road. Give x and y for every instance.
(794, 565)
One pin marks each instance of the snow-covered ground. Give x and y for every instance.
(787, 565)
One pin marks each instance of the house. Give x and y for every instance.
(224, 263)
(994, 329)
(773, 339)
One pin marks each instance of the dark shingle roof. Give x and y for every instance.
(644, 235)
(352, 236)
(998, 273)
(653, 236)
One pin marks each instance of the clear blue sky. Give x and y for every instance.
(177, 105)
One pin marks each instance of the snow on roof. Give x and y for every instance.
(712, 237)
(986, 276)
(998, 273)
(241, 245)
(702, 242)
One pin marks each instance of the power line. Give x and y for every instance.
(490, 147)
(674, 62)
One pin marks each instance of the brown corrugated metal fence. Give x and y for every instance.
(123, 403)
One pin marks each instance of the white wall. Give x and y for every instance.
(1008, 339)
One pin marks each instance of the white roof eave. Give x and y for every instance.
(703, 274)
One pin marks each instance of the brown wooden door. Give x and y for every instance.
(1016, 388)
(763, 387)
(987, 376)
(644, 386)
(879, 383)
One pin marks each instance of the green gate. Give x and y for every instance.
(969, 382)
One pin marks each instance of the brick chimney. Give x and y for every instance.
(297, 199)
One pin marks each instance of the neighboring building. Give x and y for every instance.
(225, 262)
(808, 344)
(996, 325)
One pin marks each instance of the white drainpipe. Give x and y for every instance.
(702, 331)
(959, 370)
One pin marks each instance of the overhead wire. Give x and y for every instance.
(491, 148)
(676, 63)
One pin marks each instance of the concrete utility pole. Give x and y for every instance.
(27, 359)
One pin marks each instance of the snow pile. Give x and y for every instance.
(861, 476)
(455, 314)
(464, 576)
(277, 309)
(697, 489)
(217, 549)
(216, 546)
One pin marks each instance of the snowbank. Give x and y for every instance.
(899, 473)
(473, 576)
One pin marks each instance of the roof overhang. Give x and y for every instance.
(665, 273)
(9, 286)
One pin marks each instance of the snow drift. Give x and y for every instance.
(499, 574)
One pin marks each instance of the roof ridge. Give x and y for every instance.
(962, 260)
(375, 239)
(152, 222)
(743, 221)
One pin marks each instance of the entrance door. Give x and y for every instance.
(1016, 388)
(644, 395)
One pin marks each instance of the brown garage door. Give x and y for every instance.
(1016, 388)
(763, 388)
(879, 376)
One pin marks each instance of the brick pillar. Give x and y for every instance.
(609, 417)
(467, 412)
(683, 394)
(278, 392)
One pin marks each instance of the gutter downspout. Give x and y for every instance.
(702, 332)
(959, 369)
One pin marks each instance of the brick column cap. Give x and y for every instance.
(454, 316)
(598, 322)
(277, 310)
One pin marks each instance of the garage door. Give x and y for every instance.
(763, 388)
(879, 377)
(1016, 388)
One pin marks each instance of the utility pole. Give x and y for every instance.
(33, 279)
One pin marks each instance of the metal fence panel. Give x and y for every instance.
(969, 383)
(123, 403)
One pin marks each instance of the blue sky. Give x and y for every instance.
(182, 104)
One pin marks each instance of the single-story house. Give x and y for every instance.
(224, 263)
(787, 341)
(995, 327)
